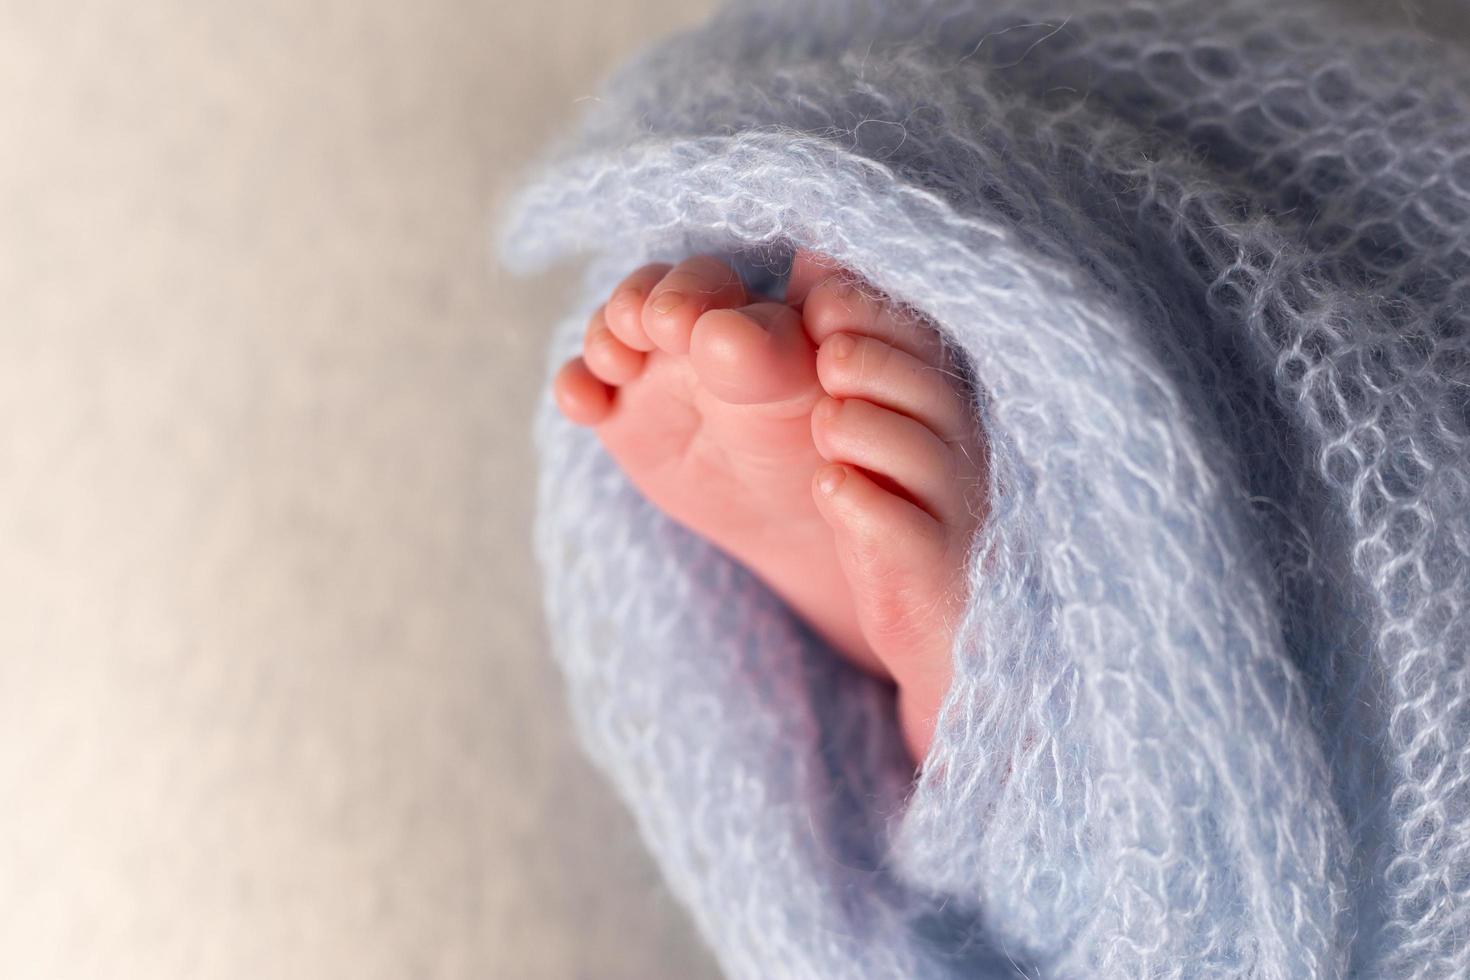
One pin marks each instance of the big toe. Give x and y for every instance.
(841, 303)
(808, 270)
(753, 355)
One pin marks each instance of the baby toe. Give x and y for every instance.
(904, 570)
(624, 308)
(808, 269)
(898, 450)
(842, 303)
(606, 356)
(582, 397)
(853, 366)
(757, 354)
(690, 289)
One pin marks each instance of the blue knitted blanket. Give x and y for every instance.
(1210, 265)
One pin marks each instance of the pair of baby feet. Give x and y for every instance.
(824, 442)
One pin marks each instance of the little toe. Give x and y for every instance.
(753, 355)
(624, 309)
(607, 357)
(906, 571)
(842, 303)
(852, 366)
(691, 288)
(894, 447)
(582, 396)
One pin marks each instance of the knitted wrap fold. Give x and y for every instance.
(1210, 266)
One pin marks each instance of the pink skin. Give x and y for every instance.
(823, 444)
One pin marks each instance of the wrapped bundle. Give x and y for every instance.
(1208, 265)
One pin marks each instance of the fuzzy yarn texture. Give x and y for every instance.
(1209, 265)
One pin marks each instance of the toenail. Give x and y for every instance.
(668, 302)
(830, 479)
(842, 345)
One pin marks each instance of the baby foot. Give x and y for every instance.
(836, 458)
(703, 394)
(905, 486)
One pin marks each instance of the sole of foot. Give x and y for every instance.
(825, 442)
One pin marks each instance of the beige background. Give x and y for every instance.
(273, 698)
(273, 701)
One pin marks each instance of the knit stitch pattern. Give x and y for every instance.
(1209, 263)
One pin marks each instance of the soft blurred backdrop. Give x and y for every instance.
(273, 694)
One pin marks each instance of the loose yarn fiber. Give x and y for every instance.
(1210, 265)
